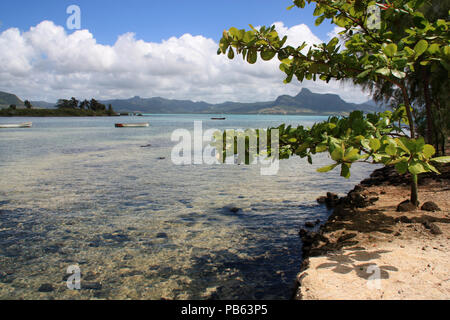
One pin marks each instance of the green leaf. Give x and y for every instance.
(337, 154)
(231, 54)
(398, 74)
(428, 150)
(430, 167)
(364, 74)
(345, 171)
(421, 47)
(352, 155)
(267, 55)
(391, 149)
(365, 143)
(445, 159)
(390, 50)
(384, 71)
(327, 168)
(332, 44)
(234, 32)
(252, 56)
(402, 167)
(401, 145)
(321, 148)
(223, 45)
(319, 20)
(434, 48)
(374, 144)
(416, 168)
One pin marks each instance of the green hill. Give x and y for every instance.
(7, 99)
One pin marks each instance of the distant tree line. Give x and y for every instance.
(92, 105)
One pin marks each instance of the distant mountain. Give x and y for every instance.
(43, 104)
(306, 102)
(7, 99)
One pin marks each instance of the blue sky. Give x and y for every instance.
(149, 48)
(158, 20)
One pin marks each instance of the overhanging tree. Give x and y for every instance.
(397, 50)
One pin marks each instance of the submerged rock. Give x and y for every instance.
(91, 285)
(309, 224)
(162, 235)
(46, 287)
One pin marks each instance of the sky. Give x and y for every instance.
(149, 48)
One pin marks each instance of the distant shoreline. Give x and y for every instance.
(54, 113)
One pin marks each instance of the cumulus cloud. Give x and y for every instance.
(47, 63)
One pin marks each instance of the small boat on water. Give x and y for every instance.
(218, 118)
(15, 125)
(132, 125)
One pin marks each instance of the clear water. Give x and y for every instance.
(77, 191)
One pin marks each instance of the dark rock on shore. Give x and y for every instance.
(430, 206)
(403, 219)
(330, 200)
(406, 206)
(434, 229)
(346, 237)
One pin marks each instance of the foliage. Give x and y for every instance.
(370, 54)
(375, 138)
(28, 104)
(405, 45)
(92, 105)
(64, 112)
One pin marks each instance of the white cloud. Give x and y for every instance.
(46, 63)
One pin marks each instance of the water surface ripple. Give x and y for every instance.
(79, 191)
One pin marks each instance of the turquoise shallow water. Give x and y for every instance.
(77, 191)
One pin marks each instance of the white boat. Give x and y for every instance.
(132, 125)
(14, 125)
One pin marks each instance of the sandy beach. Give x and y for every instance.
(377, 252)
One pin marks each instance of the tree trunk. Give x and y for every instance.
(408, 111)
(428, 106)
(414, 190)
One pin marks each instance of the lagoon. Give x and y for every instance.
(78, 191)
